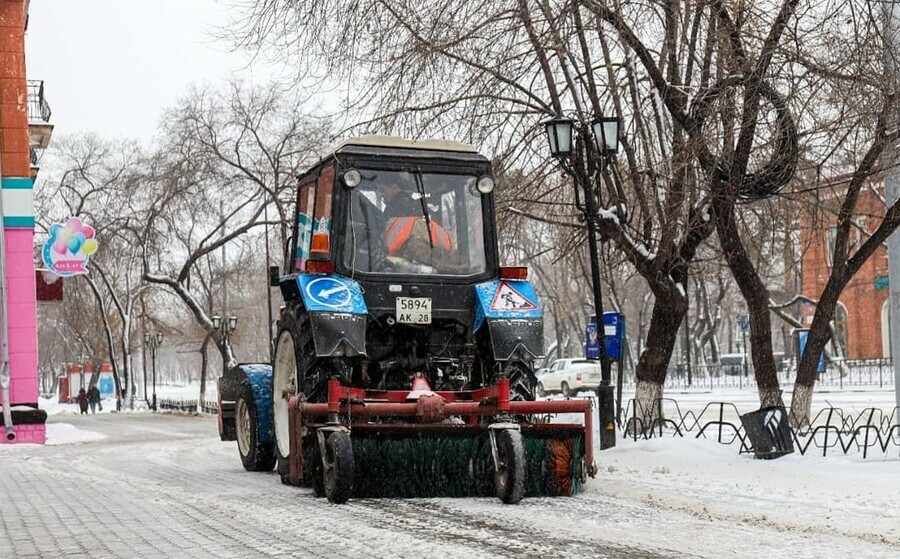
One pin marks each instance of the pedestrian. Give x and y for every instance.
(82, 400)
(94, 398)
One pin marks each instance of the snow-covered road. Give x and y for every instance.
(144, 485)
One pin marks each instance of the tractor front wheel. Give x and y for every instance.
(337, 463)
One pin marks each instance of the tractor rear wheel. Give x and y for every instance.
(256, 456)
(298, 369)
(284, 385)
(509, 477)
(337, 463)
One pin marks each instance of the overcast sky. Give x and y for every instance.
(112, 66)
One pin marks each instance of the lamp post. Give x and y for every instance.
(144, 366)
(571, 146)
(153, 342)
(226, 327)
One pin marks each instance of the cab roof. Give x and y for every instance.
(402, 143)
(391, 147)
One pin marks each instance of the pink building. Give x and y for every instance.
(23, 128)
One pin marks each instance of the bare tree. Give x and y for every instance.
(830, 83)
(687, 79)
(95, 182)
(226, 158)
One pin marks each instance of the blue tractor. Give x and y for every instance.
(403, 349)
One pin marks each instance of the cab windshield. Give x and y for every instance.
(415, 223)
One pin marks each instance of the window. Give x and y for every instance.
(306, 197)
(859, 231)
(840, 328)
(830, 240)
(321, 233)
(401, 222)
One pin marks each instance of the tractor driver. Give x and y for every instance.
(384, 222)
(407, 238)
(406, 234)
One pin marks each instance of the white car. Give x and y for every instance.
(569, 376)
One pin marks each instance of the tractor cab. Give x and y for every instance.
(407, 219)
(402, 208)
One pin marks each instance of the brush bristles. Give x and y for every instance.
(426, 465)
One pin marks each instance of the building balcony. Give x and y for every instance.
(39, 127)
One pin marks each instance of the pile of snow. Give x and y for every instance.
(65, 433)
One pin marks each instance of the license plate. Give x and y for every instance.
(414, 310)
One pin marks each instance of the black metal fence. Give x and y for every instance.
(839, 374)
(190, 406)
(830, 430)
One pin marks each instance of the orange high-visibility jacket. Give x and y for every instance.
(401, 229)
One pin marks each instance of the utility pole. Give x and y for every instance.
(889, 161)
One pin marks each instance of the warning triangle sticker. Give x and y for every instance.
(508, 299)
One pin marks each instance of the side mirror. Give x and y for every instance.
(274, 276)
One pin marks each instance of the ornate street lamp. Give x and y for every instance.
(559, 134)
(153, 342)
(225, 327)
(606, 135)
(577, 159)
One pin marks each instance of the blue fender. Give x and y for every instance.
(337, 313)
(514, 318)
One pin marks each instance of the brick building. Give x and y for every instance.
(862, 319)
(23, 129)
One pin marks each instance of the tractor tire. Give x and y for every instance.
(297, 369)
(284, 385)
(509, 476)
(338, 467)
(256, 456)
(564, 388)
(522, 384)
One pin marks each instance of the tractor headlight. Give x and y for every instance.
(485, 185)
(352, 178)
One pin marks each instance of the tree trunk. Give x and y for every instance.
(801, 402)
(669, 308)
(757, 297)
(647, 409)
(816, 340)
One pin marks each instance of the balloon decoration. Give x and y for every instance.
(69, 247)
